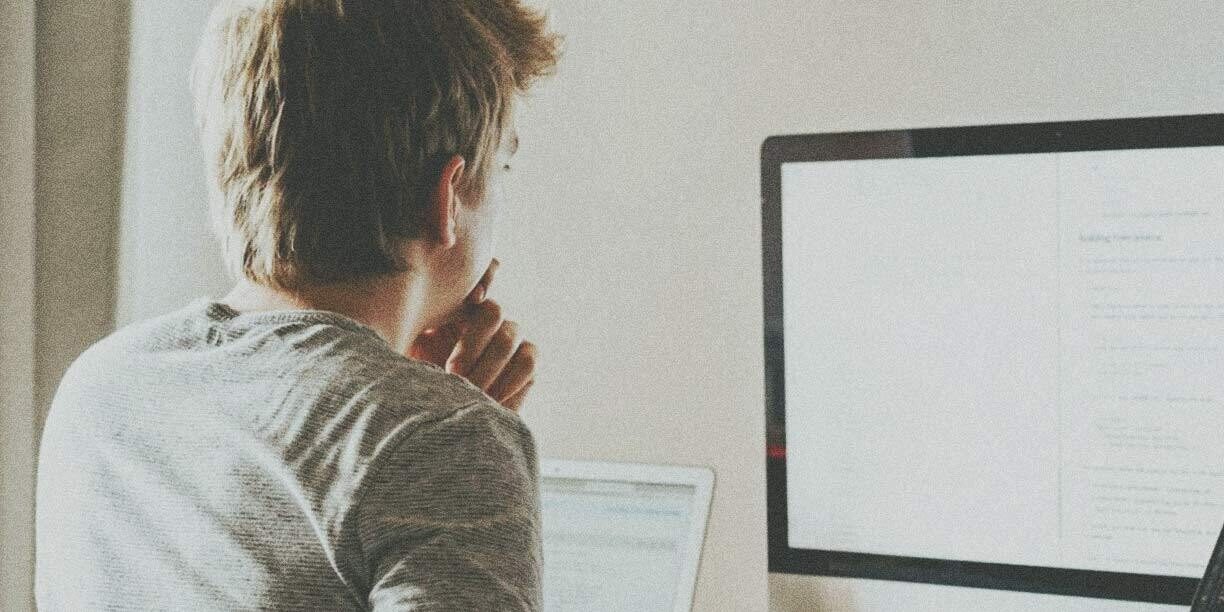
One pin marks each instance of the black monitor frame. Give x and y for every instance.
(1094, 135)
(1210, 594)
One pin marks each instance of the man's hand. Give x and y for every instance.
(483, 347)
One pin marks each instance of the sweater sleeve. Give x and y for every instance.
(450, 519)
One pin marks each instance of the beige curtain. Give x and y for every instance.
(18, 417)
(62, 102)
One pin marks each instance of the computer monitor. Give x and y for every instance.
(622, 536)
(993, 354)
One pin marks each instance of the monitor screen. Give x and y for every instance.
(995, 355)
(612, 545)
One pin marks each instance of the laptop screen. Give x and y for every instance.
(612, 545)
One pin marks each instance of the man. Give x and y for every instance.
(339, 431)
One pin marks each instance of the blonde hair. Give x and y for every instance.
(326, 123)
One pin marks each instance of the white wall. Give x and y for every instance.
(633, 257)
(167, 255)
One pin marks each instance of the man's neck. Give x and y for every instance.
(391, 306)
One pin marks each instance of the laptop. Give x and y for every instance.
(622, 536)
(1210, 594)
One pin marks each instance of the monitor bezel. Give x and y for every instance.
(1210, 593)
(1050, 137)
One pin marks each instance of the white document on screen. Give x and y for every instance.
(613, 546)
(1008, 359)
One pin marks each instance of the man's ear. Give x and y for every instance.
(445, 201)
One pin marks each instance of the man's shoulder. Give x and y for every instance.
(315, 380)
(355, 391)
(123, 348)
(367, 373)
(410, 399)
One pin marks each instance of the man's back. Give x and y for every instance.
(280, 460)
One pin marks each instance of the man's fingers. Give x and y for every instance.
(482, 286)
(487, 277)
(434, 345)
(484, 319)
(496, 355)
(517, 373)
(515, 401)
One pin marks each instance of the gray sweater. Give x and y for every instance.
(290, 460)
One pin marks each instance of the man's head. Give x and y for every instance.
(337, 133)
